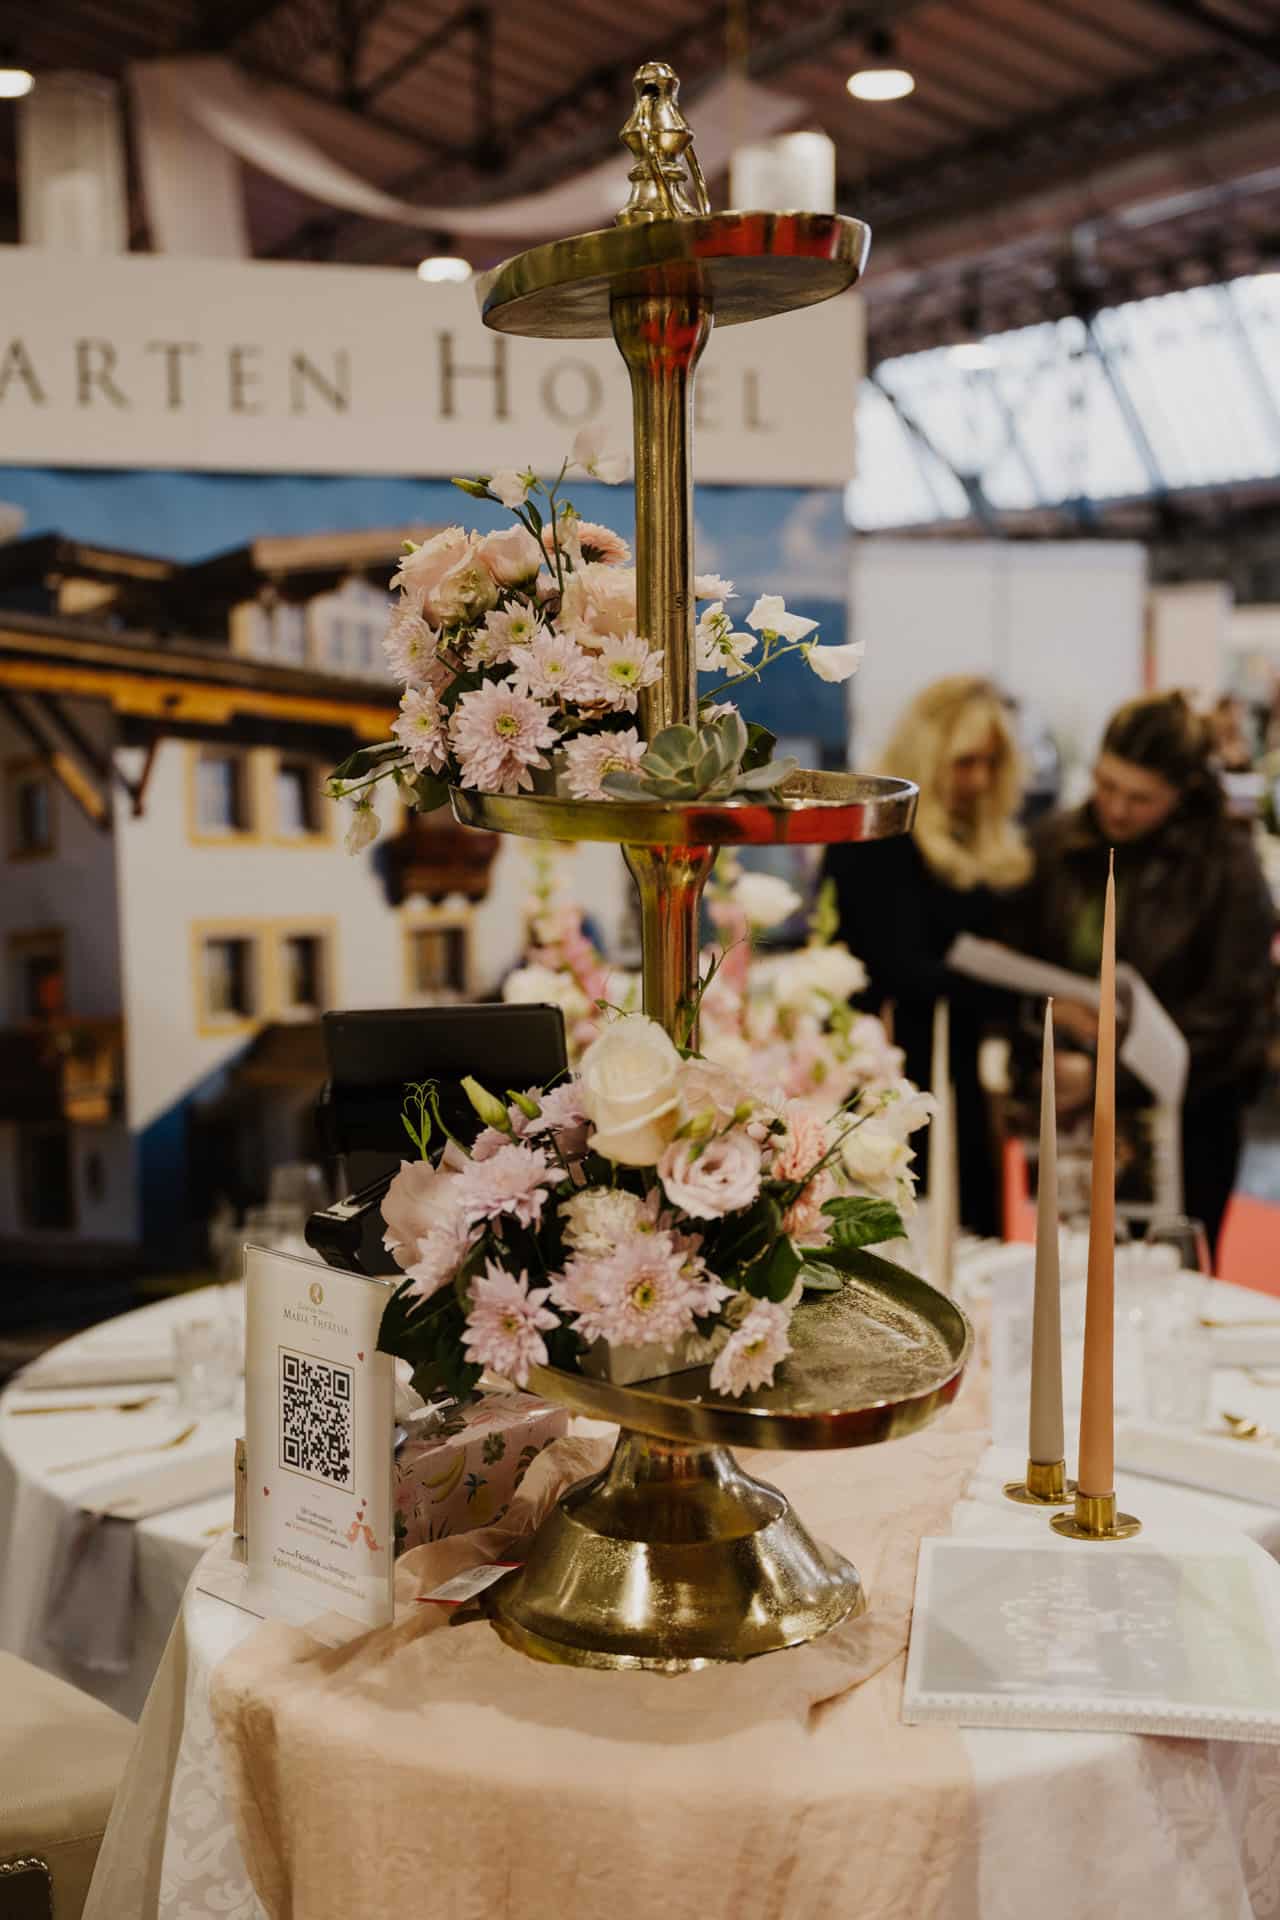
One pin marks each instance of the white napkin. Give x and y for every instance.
(180, 1482)
(1244, 1469)
(1249, 1345)
(122, 1364)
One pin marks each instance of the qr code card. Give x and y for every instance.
(316, 1403)
(319, 1438)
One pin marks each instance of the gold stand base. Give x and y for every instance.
(1046, 1485)
(672, 1558)
(1095, 1518)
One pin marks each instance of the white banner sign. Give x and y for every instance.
(143, 361)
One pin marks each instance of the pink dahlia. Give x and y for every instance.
(506, 1324)
(588, 759)
(497, 735)
(511, 1181)
(753, 1350)
(623, 667)
(420, 729)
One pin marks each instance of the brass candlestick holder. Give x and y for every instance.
(674, 1556)
(1046, 1485)
(1094, 1517)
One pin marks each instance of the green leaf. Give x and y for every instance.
(773, 1277)
(861, 1221)
(745, 1237)
(427, 793)
(366, 760)
(819, 1276)
(760, 745)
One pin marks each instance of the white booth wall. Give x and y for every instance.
(1059, 625)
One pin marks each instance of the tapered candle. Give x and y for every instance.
(1096, 1472)
(1045, 1442)
(942, 1198)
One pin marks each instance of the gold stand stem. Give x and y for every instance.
(670, 882)
(1095, 1518)
(1046, 1485)
(661, 337)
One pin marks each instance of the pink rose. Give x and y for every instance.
(511, 557)
(420, 1201)
(721, 1178)
(420, 571)
(601, 599)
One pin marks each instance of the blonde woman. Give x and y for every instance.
(903, 902)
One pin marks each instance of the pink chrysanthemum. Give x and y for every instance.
(622, 668)
(437, 1257)
(411, 648)
(505, 632)
(506, 1324)
(598, 545)
(552, 667)
(497, 735)
(588, 759)
(753, 1350)
(647, 1292)
(420, 729)
(803, 1145)
(511, 1181)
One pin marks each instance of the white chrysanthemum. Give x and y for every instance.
(588, 759)
(553, 667)
(753, 1350)
(420, 729)
(598, 1219)
(623, 668)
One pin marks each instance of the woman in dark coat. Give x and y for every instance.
(904, 901)
(1193, 917)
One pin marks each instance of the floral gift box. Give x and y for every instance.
(464, 1478)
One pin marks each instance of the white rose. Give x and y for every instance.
(599, 600)
(543, 986)
(836, 663)
(630, 1079)
(511, 557)
(765, 899)
(466, 592)
(421, 570)
(831, 971)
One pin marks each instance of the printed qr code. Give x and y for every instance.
(315, 1419)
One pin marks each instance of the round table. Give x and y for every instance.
(37, 1504)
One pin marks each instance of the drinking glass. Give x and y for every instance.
(1177, 1368)
(206, 1364)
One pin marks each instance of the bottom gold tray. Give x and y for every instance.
(674, 1557)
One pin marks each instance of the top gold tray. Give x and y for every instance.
(873, 1361)
(809, 809)
(750, 265)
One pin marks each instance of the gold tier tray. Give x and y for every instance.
(746, 266)
(810, 809)
(674, 1557)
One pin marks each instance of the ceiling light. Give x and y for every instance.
(444, 266)
(878, 76)
(15, 82)
(974, 355)
(880, 83)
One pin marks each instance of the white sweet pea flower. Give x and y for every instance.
(595, 457)
(511, 487)
(769, 615)
(836, 663)
(718, 646)
(362, 829)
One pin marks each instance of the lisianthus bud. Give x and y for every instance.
(487, 1105)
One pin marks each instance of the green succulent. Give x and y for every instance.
(704, 763)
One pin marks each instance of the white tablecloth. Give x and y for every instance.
(35, 1504)
(1070, 1826)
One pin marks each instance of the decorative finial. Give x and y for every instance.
(666, 180)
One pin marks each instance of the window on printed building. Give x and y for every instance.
(222, 793)
(46, 1197)
(347, 628)
(438, 959)
(37, 976)
(297, 810)
(30, 812)
(227, 978)
(303, 970)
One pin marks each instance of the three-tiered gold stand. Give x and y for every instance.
(674, 1556)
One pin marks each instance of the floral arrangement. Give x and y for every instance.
(654, 1198)
(520, 662)
(562, 968)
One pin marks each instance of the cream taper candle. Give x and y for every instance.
(942, 1196)
(1045, 1443)
(1096, 1471)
